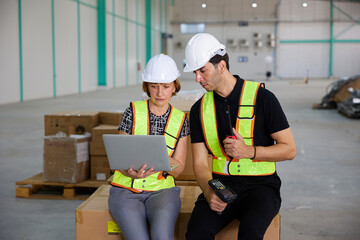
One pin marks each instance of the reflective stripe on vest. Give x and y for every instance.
(222, 164)
(141, 126)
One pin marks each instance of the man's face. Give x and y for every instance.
(208, 76)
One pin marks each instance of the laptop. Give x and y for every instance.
(132, 151)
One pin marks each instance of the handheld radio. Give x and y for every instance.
(231, 134)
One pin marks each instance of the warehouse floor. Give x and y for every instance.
(320, 191)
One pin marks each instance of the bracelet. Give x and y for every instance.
(254, 153)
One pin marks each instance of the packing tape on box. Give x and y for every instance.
(79, 217)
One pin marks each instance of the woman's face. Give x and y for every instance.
(161, 93)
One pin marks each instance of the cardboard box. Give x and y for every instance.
(100, 173)
(66, 159)
(99, 161)
(98, 131)
(231, 231)
(65, 121)
(342, 93)
(97, 148)
(94, 221)
(111, 118)
(100, 168)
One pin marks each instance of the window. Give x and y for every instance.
(186, 28)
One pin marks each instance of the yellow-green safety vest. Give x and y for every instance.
(141, 126)
(221, 163)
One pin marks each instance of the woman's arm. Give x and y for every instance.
(179, 157)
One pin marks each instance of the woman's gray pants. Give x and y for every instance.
(133, 212)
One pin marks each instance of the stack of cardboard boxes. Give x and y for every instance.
(94, 221)
(73, 147)
(109, 123)
(66, 146)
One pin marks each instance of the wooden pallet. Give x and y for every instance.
(34, 187)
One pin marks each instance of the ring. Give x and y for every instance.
(143, 171)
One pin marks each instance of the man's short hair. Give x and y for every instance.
(217, 58)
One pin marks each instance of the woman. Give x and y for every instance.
(155, 201)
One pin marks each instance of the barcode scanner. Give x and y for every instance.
(226, 194)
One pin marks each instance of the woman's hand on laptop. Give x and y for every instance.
(141, 173)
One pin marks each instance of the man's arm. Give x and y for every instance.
(203, 175)
(284, 148)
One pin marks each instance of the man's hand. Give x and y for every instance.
(215, 203)
(237, 148)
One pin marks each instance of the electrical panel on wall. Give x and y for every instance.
(271, 36)
(271, 43)
(231, 43)
(271, 40)
(243, 43)
(180, 44)
(257, 36)
(258, 44)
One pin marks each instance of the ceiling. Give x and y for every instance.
(233, 11)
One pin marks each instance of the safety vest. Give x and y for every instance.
(141, 126)
(221, 163)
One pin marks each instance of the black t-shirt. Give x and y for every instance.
(269, 118)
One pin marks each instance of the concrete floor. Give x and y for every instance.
(321, 194)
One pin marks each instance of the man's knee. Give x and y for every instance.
(198, 231)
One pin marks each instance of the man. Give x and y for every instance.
(245, 162)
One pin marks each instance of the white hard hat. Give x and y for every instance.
(160, 69)
(200, 49)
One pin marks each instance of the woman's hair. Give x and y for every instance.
(176, 82)
(217, 58)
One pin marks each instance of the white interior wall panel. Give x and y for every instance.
(131, 10)
(89, 49)
(37, 49)
(346, 30)
(142, 11)
(346, 60)
(90, 2)
(9, 57)
(346, 57)
(298, 59)
(120, 8)
(155, 14)
(292, 10)
(351, 9)
(303, 60)
(66, 47)
(109, 48)
(132, 63)
(303, 31)
(142, 50)
(120, 52)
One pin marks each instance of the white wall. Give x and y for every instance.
(302, 41)
(68, 63)
(297, 58)
(9, 48)
(256, 66)
(61, 57)
(66, 47)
